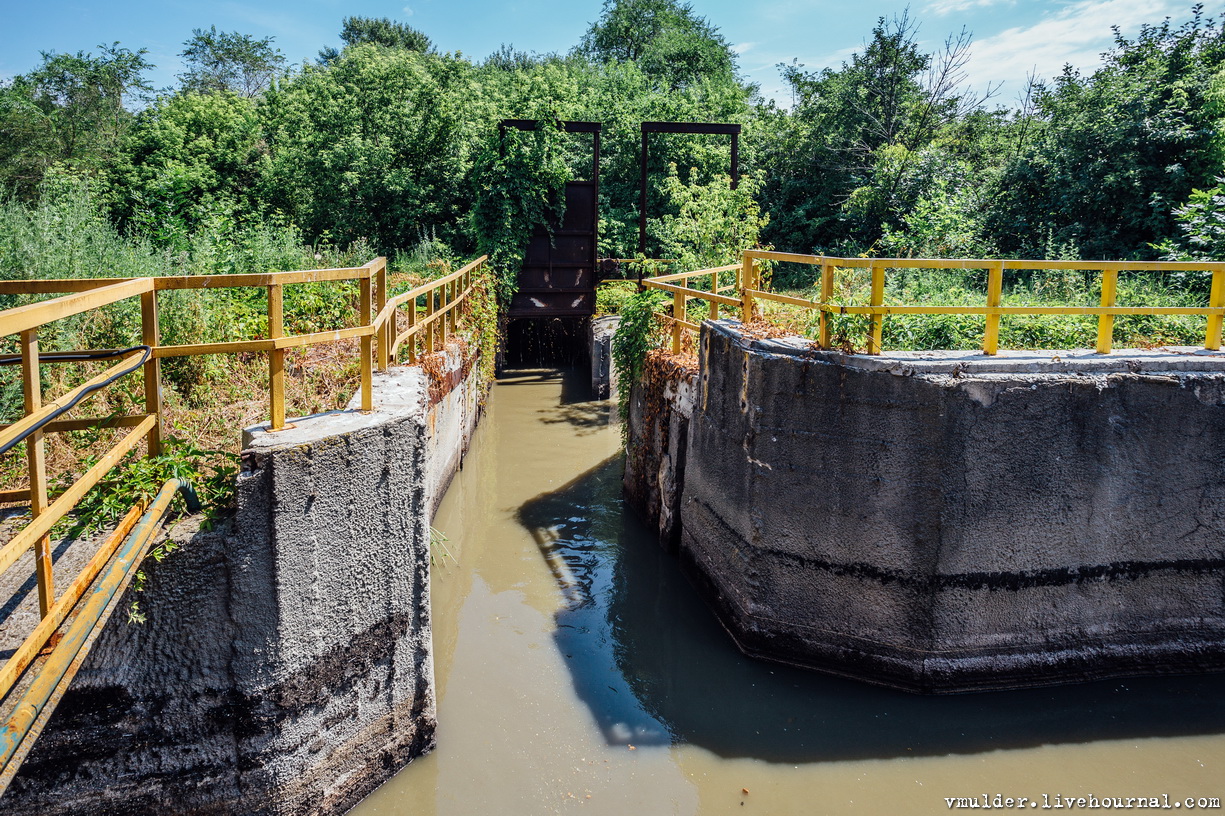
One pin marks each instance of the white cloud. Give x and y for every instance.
(743, 48)
(1076, 34)
(943, 7)
(407, 11)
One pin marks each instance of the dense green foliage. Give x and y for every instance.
(1116, 153)
(381, 31)
(664, 38)
(387, 140)
(520, 182)
(373, 146)
(140, 478)
(388, 146)
(638, 333)
(67, 114)
(888, 155)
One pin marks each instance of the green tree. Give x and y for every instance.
(1115, 153)
(68, 111)
(520, 179)
(664, 37)
(376, 145)
(713, 223)
(837, 157)
(187, 156)
(377, 31)
(229, 61)
(1201, 226)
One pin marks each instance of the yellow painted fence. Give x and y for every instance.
(748, 288)
(415, 322)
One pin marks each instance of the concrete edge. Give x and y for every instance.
(1164, 360)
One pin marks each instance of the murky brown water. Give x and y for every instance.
(578, 672)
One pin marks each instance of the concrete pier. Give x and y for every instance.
(285, 664)
(946, 521)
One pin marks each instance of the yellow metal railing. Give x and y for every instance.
(127, 545)
(750, 288)
(380, 337)
(675, 284)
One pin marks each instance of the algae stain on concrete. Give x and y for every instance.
(544, 686)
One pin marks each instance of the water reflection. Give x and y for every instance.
(575, 407)
(653, 665)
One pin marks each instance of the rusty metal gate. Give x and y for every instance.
(558, 277)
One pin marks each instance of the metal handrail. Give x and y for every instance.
(749, 286)
(444, 298)
(65, 659)
(11, 435)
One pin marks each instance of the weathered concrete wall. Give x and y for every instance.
(455, 399)
(948, 521)
(661, 404)
(286, 663)
(603, 372)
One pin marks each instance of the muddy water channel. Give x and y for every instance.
(578, 671)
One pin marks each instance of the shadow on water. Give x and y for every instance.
(575, 407)
(655, 667)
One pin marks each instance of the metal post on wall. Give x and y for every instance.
(695, 128)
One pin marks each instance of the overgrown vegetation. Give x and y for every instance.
(139, 478)
(388, 146)
(207, 399)
(386, 137)
(520, 181)
(638, 333)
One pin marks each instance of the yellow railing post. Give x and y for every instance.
(877, 321)
(151, 336)
(412, 338)
(1105, 322)
(429, 313)
(714, 290)
(995, 293)
(367, 343)
(393, 331)
(385, 338)
(456, 293)
(441, 306)
(276, 357)
(1216, 300)
(827, 294)
(444, 297)
(745, 281)
(36, 460)
(678, 313)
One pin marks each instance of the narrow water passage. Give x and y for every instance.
(577, 670)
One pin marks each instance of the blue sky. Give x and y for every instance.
(1011, 37)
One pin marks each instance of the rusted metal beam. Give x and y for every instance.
(695, 128)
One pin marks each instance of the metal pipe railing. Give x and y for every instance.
(750, 289)
(64, 661)
(379, 344)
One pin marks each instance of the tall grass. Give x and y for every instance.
(208, 399)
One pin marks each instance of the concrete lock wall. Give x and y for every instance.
(285, 666)
(661, 405)
(947, 521)
(603, 372)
